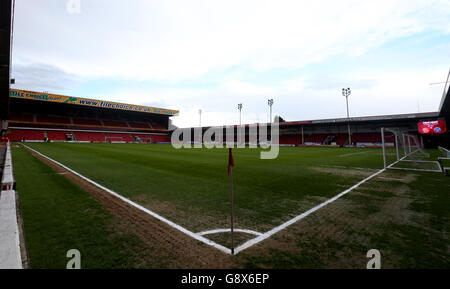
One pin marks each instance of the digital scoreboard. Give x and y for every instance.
(432, 127)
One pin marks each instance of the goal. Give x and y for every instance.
(404, 151)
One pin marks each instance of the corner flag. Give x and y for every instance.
(230, 160)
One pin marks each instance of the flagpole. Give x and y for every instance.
(231, 209)
(230, 167)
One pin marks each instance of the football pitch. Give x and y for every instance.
(401, 213)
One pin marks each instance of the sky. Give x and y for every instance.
(211, 55)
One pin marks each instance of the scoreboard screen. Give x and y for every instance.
(432, 127)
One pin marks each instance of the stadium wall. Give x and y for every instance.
(6, 20)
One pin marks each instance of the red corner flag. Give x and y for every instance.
(230, 160)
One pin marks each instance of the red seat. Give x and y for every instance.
(152, 138)
(119, 137)
(21, 134)
(90, 136)
(57, 135)
(316, 138)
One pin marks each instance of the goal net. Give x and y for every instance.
(404, 151)
(445, 152)
(444, 160)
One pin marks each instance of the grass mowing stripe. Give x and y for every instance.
(170, 223)
(196, 180)
(58, 216)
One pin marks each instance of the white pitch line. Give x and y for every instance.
(168, 222)
(352, 168)
(301, 216)
(247, 244)
(215, 231)
(419, 161)
(420, 170)
(275, 230)
(363, 169)
(351, 154)
(391, 179)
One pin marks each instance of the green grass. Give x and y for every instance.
(423, 242)
(407, 222)
(191, 188)
(418, 165)
(196, 184)
(58, 216)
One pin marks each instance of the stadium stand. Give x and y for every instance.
(119, 137)
(113, 123)
(84, 121)
(22, 117)
(290, 139)
(147, 138)
(160, 138)
(341, 139)
(60, 120)
(26, 134)
(156, 125)
(35, 116)
(57, 135)
(139, 125)
(316, 139)
(90, 136)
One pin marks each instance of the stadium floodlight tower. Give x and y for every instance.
(346, 92)
(240, 109)
(200, 117)
(270, 103)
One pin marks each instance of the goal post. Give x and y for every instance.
(404, 151)
(415, 148)
(444, 151)
(391, 144)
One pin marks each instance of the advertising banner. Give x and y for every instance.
(25, 94)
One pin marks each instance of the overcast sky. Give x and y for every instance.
(211, 55)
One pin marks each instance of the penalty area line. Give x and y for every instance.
(275, 230)
(351, 154)
(145, 210)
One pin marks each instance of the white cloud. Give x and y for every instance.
(179, 42)
(399, 91)
(172, 40)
